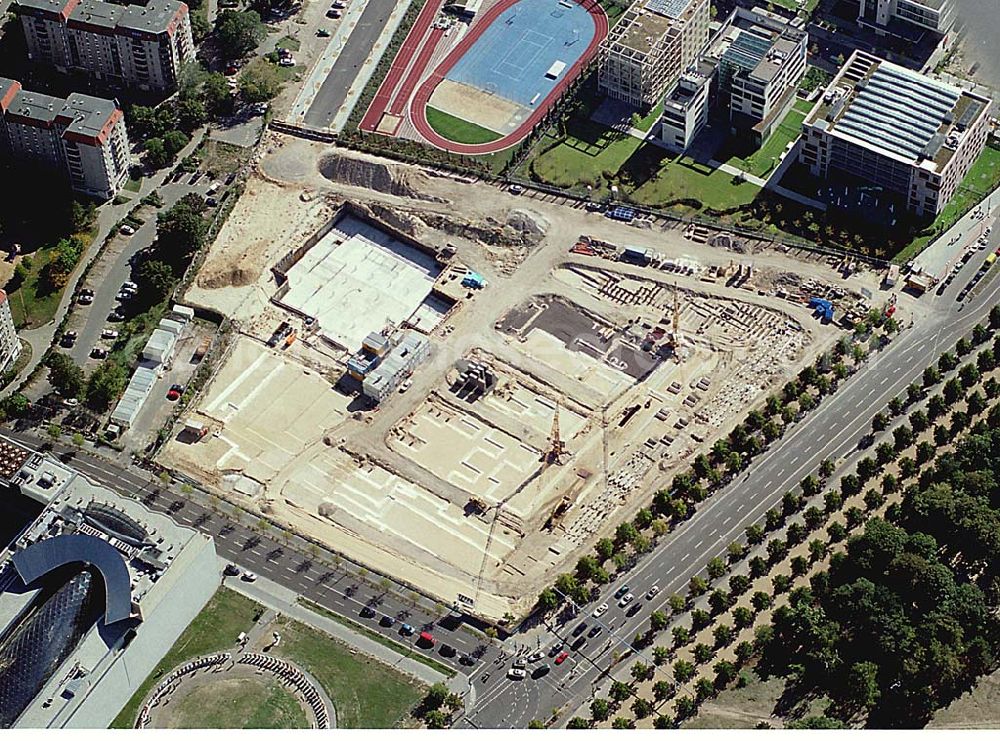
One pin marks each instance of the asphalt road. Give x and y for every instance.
(833, 431)
(333, 92)
(96, 314)
(336, 589)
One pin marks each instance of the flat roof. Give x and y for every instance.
(357, 283)
(90, 115)
(901, 113)
(153, 18)
(644, 31)
(97, 13)
(669, 8)
(36, 106)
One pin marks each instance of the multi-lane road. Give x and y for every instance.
(832, 431)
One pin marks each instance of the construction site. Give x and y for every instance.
(465, 389)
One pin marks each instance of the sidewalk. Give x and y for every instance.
(937, 257)
(283, 600)
(40, 338)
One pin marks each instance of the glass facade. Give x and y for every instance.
(61, 615)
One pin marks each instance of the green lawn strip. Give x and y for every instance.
(981, 179)
(287, 42)
(377, 637)
(766, 158)
(365, 692)
(646, 122)
(237, 703)
(457, 129)
(803, 106)
(588, 150)
(685, 178)
(214, 629)
(133, 184)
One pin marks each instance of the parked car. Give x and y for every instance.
(578, 643)
(467, 660)
(406, 629)
(516, 189)
(71, 402)
(116, 316)
(68, 339)
(556, 648)
(621, 591)
(537, 656)
(127, 229)
(175, 392)
(579, 629)
(601, 609)
(109, 334)
(520, 663)
(333, 13)
(517, 674)
(85, 299)
(653, 591)
(562, 657)
(129, 286)
(99, 352)
(367, 612)
(322, 33)
(286, 62)
(626, 599)
(249, 576)
(387, 621)
(595, 631)
(541, 671)
(231, 69)
(231, 570)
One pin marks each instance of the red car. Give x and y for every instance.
(562, 657)
(175, 392)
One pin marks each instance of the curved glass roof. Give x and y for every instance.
(42, 641)
(115, 522)
(49, 554)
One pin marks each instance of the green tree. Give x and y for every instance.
(716, 568)
(157, 278)
(548, 599)
(683, 671)
(65, 376)
(259, 82)
(862, 685)
(755, 534)
(681, 635)
(157, 156)
(600, 709)
(658, 620)
(576, 723)
(238, 33)
(761, 601)
(174, 141)
(181, 229)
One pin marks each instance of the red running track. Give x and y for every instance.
(410, 46)
(406, 90)
(418, 106)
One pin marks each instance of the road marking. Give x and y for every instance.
(726, 521)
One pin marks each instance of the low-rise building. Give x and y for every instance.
(81, 135)
(649, 48)
(896, 129)
(138, 46)
(409, 349)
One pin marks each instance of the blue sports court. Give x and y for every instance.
(512, 55)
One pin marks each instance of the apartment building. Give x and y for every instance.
(897, 129)
(649, 48)
(10, 345)
(81, 135)
(141, 47)
(903, 17)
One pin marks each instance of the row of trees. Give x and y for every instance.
(777, 549)
(728, 456)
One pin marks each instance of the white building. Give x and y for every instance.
(884, 16)
(82, 135)
(10, 343)
(896, 129)
(138, 46)
(649, 48)
(685, 109)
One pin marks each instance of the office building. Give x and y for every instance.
(81, 135)
(686, 108)
(896, 129)
(10, 343)
(137, 46)
(906, 19)
(93, 593)
(649, 48)
(747, 75)
(761, 60)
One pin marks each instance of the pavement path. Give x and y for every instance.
(41, 338)
(284, 600)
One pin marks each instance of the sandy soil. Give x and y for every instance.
(479, 107)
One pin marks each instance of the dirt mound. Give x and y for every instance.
(235, 277)
(531, 225)
(376, 176)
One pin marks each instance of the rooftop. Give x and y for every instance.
(669, 8)
(643, 33)
(97, 13)
(90, 115)
(153, 18)
(901, 113)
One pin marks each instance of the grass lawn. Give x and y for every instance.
(215, 628)
(237, 702)
(589, 150)
(982, 178)
(34, 303)
(221, 158)
(133, 184)
(765, 159)
(366, 692)
(680, 178)
(378, 637)
(457, 129)
(646, 122)
(287, 42)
